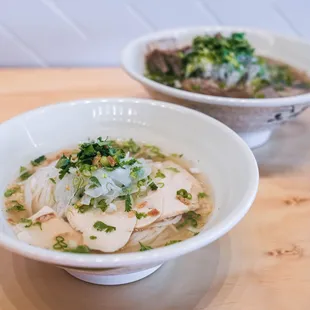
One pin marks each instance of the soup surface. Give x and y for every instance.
(107, 196)
(223, 66)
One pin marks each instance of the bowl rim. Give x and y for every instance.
(157, 255)
(208, 99)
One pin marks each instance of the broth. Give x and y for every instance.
(80, 200)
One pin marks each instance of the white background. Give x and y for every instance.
(92, 32)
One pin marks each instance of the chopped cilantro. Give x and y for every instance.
(144, 247)
(101, 204)
(92, 237)
(100, 226)
(190, 218)
(38, 224)
(172, 242)
(140, 215)
(17, 207)
(95, 182)
(159, 174)
(27, 222)
(38, 161)
(83, 208)
(128, 203)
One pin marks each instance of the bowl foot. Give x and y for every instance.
(117, 279)
(256, 138)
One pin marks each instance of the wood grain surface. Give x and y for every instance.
(262, 264)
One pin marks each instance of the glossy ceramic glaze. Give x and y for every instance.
(205, 141)
(252, 119)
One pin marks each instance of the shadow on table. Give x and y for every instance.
(287, 150)
(180, 284)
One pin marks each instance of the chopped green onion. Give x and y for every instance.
(9, 192)
(52, 180)
(38, 161)
(184, 193)
(60, 244)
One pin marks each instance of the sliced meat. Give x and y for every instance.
(169, 61)
(165, 198)
(44, 234)
(98, 238)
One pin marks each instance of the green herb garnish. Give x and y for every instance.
(60, 243)
(95, 182)
(184, 193)
(190, 218)
(92, 237)
(159, 174)
(83, 208)
(27, 222)
(101, 204)
(128, 203)
(173, 169)
(64, 164)
(9, 192)
(134, 173)
(202, 195)
(144, 247)
(52, 180)
(100, 226)
(172, 242)
(131, 146)
(38, 161)
(140, 215)
(24, 174)
(37, 224)
(17, 207)
(176, 155)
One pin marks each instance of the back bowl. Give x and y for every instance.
(205, 141)
(253, 119)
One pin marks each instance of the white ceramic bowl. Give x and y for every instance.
(215, 149)
(252, 119)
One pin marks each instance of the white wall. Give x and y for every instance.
(92, 32)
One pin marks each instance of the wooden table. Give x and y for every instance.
(262, 264)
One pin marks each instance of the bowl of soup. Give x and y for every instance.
(251, 80)
(110, 189)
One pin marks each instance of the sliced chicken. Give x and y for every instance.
(98, 236)
(44, 234)
(176, 178)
